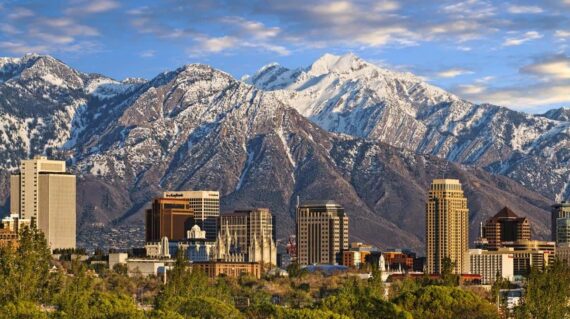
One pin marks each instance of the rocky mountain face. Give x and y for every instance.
(199, 128)
(560, 114)
(349, 95)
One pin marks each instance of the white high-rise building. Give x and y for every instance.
(492, 263)
(45, 193)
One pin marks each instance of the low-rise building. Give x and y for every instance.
(356, 254)
(531, 253)
(397, 259)
(117, 259)
(351, 258)
(490, 264)
(147, 267)
(198, 248)
(231, 269)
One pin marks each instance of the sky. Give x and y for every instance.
(510, 53)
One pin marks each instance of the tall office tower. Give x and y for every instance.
(43, 192)
(206, 206)
(563, 231)
(168, 217)
(447, 226)
(322, 232)
(251, 234)
(505, 226)
(560, 210)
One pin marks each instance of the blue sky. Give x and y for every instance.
(511, 53)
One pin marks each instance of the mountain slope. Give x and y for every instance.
(349, 95)
(199, 128)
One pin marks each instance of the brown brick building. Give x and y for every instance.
(168, 217)
(505, 226)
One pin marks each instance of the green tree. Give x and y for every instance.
(184, 284)
(21, 310)
(209, 308)
(442, 302)
(285, 313)
(547, 293)
(74, 299)
(24, 271)
(363, 300)
(447, 272)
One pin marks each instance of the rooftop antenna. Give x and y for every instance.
(481, 230)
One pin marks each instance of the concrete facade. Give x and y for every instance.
(489, 264)
(43, 192)
(322, 233)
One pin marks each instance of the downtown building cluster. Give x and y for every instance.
(504, 247)
(189, 223)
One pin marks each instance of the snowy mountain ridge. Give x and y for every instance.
(348, 95)
(199, 128)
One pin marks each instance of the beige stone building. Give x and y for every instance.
(322, 232)
(447, 226)
(206, 207)
(44, 192)
(250, 233)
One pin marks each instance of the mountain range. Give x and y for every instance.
(342, 129)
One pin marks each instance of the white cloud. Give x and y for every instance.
(528, 36)
(147, 54)
(53, 38)
(562, 34)
(515, 9)
(528, 97)
(93, 6)
(453, 72)
(383, 6)
(231, 43)
(471, 9)
(20, 13)
(9, 29)
(251, 28)
(217, 44)
(470, 89)
(485, 79)
(554, 68)
(523, 98)
(22, 48)
(464, 48)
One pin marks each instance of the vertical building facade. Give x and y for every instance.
(45, 193)
(560, 210)
(562, 231)
(251, 233)
(505, 226)
(532, 253)
(170, 218)
(447, 226)
(490, 264)
(322, 233)
(206, 207)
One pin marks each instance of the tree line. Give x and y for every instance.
(33, 285)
